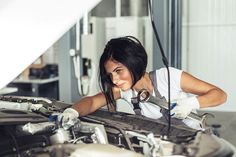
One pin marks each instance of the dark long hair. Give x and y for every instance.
(129, 51)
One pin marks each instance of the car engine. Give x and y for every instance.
(29, 128)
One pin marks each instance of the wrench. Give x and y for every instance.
(145, 96)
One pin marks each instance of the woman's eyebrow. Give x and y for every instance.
(116, 68)
(119, 66)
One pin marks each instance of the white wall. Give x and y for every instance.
(209, 44)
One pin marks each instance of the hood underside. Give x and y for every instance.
(28, 28)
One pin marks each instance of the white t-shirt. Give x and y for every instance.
(153, 111)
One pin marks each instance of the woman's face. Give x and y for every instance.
(119, 74)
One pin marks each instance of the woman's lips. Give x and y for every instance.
(120, 85)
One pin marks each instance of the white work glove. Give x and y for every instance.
(182, 108)
(68, 118)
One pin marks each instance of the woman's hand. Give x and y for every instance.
(68, 118)
(183, 107)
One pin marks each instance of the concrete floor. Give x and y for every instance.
(227, 120)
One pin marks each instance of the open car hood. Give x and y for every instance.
(28, 28)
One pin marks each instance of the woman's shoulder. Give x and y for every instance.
(162, 76)
(163, 71)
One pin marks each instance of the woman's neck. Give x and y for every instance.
(144, 83)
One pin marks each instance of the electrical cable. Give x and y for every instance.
(165, 62)
(76, 63)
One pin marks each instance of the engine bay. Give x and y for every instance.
(29, 127)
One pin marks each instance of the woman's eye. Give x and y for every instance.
(118, 71)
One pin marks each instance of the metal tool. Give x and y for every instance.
(145, 96)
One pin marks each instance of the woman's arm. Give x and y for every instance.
(208, 94)
(90, 104)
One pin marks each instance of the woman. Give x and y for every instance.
(123, 73)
